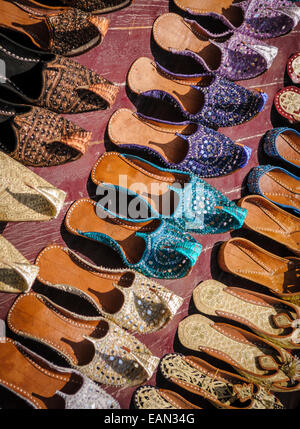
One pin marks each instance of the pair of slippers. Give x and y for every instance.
(287, 100)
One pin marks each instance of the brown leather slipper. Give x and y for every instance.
(245, 259)
(271, 221)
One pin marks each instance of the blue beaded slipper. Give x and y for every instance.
(277, 185)
(155, 248)
(181, 198)
(212, 100)
(284, 144)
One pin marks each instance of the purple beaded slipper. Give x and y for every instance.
(182, 146)
(236, 57)
(214, 101)
(261, 19)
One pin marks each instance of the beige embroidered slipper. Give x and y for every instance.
(153, 398)
(274, 319)
(222, 388)
(253, 357)
(271, 221)
(16, 273)
(96, 347)
(126, 297)
(25, 196)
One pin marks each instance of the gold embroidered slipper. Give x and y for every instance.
(153, 398)
(126, 297)
(253, 357)
(25, 196)
(271, 318)
(94, 346)
(222, 388)
(16, 273)
(243, 258)
(268, 219)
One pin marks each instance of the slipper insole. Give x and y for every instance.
(269, 221)
(143, 77)
(36, 317)
(149, 183)
(171, 31)
(288, 146)
(57, 266)
(19, 371)
(281, 188)
(125, 128)
(85, 219)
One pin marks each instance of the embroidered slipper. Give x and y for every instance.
(293, 67)
(269, 220)
(248, 17)
(284, 144)
(234, 57)
(39, 138)
(25, 196)
(67, 32)
(287, 103)
(243, 258)
(257, 359)
(98, 6)
(129, 299)
(271, 318)
(155, 248)
(178, 145)
(95, 347)
(30, 74)
(180, 198)
(277, 185)
(16, 273)
(214, 101)
(222, 388)
(153, 398)
(44, 385)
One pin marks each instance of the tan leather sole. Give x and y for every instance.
(144, 76)
(82, 216)
(27, 377)
(271, 221)
(144, 179)
(288, 146)
(58, 266)
(126, 127)
(171, 31)
(245, 259)
(281, 188)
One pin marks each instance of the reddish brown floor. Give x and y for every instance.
(127, 39)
